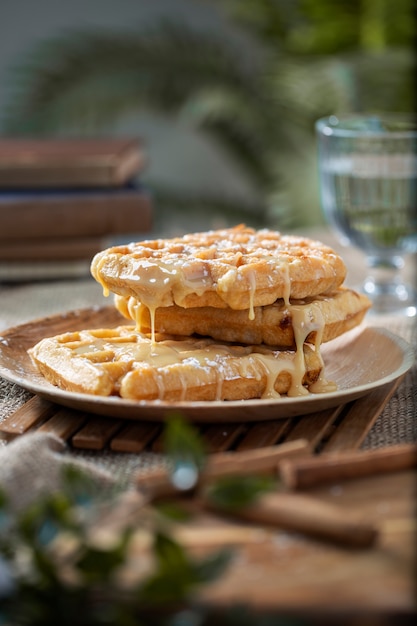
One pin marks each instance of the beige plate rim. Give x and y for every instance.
(361, 361)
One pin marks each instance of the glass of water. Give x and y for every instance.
(368, 179)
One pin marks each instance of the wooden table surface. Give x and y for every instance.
(285, 572)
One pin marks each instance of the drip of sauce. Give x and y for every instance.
(96, 265)
(252, 289)
(305, 319)
(135, 311)
(321, 385)
(152, 311)
(287, 283)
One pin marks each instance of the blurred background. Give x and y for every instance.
(224, 94)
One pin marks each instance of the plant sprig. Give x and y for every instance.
(54, 570)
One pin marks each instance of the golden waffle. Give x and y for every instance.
(123, 362)
(238, 268)
(330, 315)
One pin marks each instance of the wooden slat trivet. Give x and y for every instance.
(331, 430)
(134, 437)
(31, 414)
(96, 433)
(314, 430)
(216, 437)
(221, 437)
(63, 424)
(262, 434)
(359, 419)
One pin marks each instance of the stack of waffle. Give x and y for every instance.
(231, 314)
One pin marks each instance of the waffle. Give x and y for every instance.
(239, 268)
(126, 363)
(329, 316)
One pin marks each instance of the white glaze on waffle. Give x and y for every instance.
(126, 363)
(239, 268)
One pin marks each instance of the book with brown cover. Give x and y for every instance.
(69, 162)
(74, 213)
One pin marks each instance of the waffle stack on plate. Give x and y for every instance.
(232, 314)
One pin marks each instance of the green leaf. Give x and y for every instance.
(182, 440)
(39, 523)
(4, 501)
(46, 572)
(234, 493)
(169, 553)
(173, 511)
(5, 518)
(185, 450)
(100, 564)
(79, 486)
(177, 574)
(212, 567)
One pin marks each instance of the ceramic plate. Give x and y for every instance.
(358, 362)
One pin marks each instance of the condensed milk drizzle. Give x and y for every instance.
(305, 319)
(96, 266)
(252, 289)
(287, 282)
(211, 364)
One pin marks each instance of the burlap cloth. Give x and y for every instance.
(32, 462)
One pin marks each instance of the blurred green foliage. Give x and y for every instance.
(55, 568)
(326, 26)
(254, 86)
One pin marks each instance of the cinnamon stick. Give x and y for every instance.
(258, 461)
(311, 517)
(293, 512)
(312, 471)
(158, 483)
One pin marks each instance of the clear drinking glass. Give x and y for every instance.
(368, 178)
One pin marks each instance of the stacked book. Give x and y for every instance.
(63, 200)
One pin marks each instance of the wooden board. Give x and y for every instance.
(288, 573)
